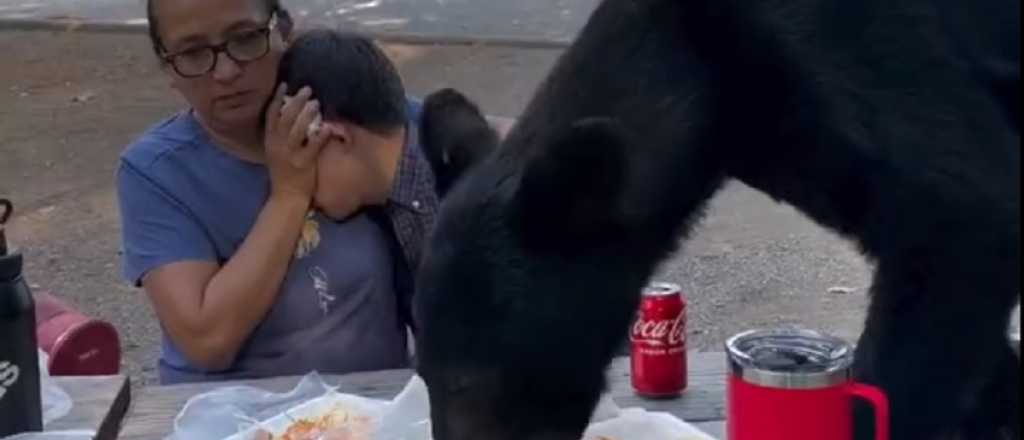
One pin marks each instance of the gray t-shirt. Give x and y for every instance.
(184, 199)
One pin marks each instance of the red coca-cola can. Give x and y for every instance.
(658, 342)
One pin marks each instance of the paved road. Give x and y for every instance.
(547, 20)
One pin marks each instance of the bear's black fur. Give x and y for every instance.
(893, 123)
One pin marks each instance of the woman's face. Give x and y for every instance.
(232, 95)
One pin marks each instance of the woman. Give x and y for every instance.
(246, 279)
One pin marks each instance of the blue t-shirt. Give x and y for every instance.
(184, 199)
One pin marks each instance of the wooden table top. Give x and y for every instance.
(153, 409)
(99, 404)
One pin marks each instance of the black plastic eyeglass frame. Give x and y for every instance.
(218, 49)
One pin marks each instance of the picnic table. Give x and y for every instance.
(100, 404)
(153, 409)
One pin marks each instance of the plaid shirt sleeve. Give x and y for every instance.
(412, 209)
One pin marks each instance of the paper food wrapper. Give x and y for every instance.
(637, 424)
(239, 413)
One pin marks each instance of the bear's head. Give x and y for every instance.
(531, 276)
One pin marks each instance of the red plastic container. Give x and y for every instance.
(76, 344)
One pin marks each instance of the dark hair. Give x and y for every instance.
(351, 77)
(284, 20)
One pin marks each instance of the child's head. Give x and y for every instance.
(363, 104)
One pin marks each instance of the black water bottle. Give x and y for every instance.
(21, 408)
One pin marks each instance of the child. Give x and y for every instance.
(364, 107)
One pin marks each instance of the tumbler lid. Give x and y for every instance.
(660, 289)
(790, 358)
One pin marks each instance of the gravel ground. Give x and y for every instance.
(69, 102)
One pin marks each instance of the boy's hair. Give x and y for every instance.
(351, 77)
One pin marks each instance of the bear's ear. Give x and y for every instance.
(455, 136)
(571, 192)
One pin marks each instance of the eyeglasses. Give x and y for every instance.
(243, 47)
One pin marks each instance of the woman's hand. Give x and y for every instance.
(293, 141)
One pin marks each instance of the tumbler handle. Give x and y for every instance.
(879, 401)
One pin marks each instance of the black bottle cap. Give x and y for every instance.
(10, 265)
(6, 208)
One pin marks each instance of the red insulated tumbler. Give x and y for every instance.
(794, 384)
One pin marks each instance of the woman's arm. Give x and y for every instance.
(209, 310)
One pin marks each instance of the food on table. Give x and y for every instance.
(601, 437)
(339, 424)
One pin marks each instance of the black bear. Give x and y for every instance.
(893, 123)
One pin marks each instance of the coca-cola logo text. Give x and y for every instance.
(9, 374)
(662, 332)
